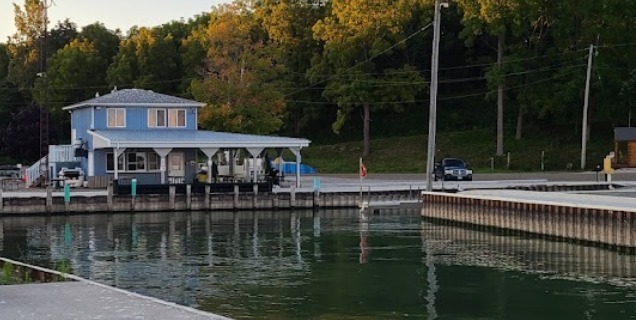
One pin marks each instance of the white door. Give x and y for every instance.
(176, 167)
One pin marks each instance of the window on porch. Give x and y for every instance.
(134, 162)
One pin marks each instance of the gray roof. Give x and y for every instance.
(625, 134)
(136, 97)
(180, 138)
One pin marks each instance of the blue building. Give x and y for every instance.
(151, 137)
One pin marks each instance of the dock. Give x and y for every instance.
(79, 298)
(597, 217)
(334, 191)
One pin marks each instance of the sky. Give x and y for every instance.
(114, 14)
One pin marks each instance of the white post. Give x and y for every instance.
(255, 169)
(116, 163)
(162, 153)
(432, 118)
(209, 180)
(298, 161)
(585, 107)
(91, 163)
(254, 152)
(162, 168)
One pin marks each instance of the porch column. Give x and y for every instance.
(296, 152)
(163, 153)
(116, 153)
(255, 152)
(209, 152)
(91, 164)
(231, 161)
(279, 164)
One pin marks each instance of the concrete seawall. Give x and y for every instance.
(87, 202)
(613, 226)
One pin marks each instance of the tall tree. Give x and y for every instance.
(75, 73)
(25, 45)
(354, 32)
(289, 26)
(497, 18)
(240, 81)
(146, 60)
(60, 35)
(106, 41)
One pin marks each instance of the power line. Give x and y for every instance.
(363, 62)
(448, 97)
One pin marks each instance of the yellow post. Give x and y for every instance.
(607, 165)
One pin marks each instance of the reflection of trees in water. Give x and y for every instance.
(211, 259)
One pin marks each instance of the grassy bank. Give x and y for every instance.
(408, 154)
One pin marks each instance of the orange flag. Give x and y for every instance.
(363, 170)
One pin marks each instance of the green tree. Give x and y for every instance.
(496, 18)
(106, 41)
(289, 26)
(25, 45)
(146, 60)
(75, 73)
(240, 81)
(62, 34)
(354, 32)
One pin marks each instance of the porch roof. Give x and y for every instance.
(114, 138)
(624, 134)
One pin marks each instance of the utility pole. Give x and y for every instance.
(44, 105)
(585, 107)
(432, 117)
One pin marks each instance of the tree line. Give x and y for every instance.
(332, 69)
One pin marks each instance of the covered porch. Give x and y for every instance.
(173, 156)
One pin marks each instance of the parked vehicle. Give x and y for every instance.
(452, 169)
(10, 172)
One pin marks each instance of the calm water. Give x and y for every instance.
(332, 265)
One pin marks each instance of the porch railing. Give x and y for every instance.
(33, 172)
(57, 153)
(62, 153)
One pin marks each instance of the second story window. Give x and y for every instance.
(161, 118)
(156, 118)
(176, 118)
(116, 117)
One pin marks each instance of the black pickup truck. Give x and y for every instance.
(452, 169)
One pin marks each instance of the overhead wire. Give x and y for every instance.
(363, 62)
(449, 97)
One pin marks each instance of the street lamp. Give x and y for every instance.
(432, 118)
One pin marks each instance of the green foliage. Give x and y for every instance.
(408, 154)
(62, 266)
(350, 66)
(147, 59)
(78, 65)
(8, 273)
(240, 78)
